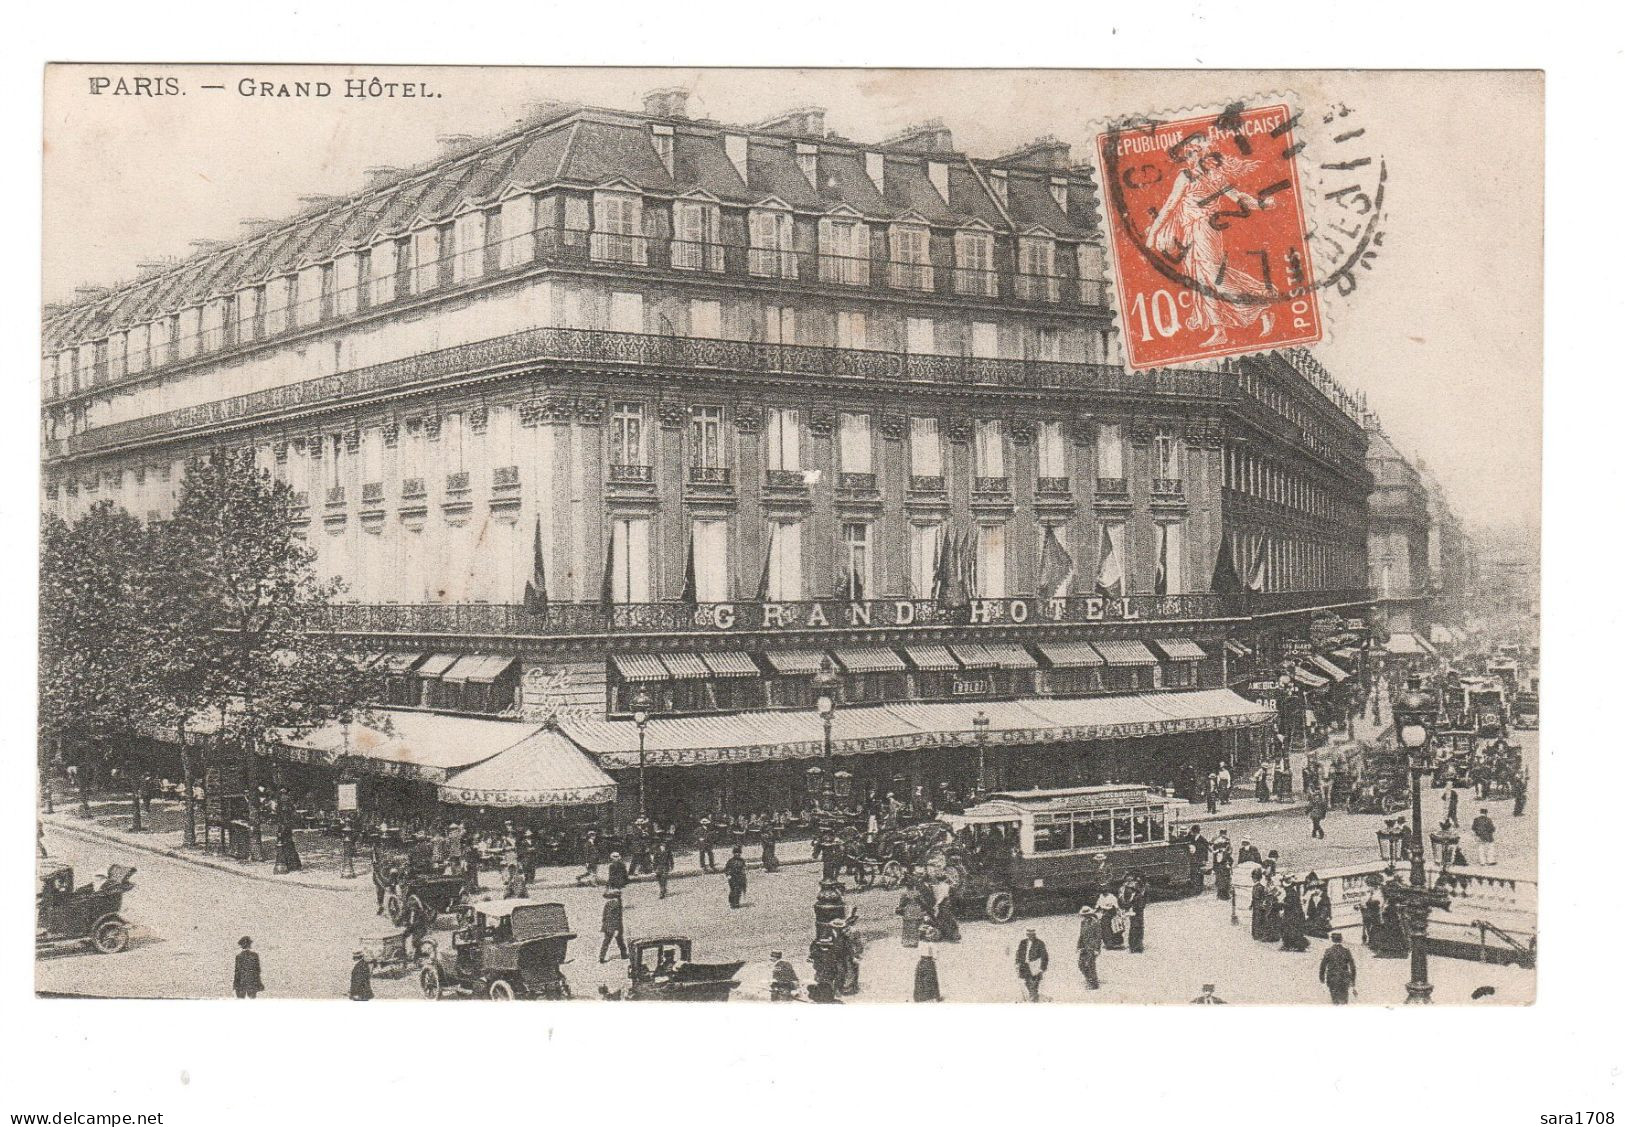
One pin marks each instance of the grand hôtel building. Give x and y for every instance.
(742, 398)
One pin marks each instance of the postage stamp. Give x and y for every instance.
(1208, 234)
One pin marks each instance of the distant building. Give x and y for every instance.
(734, 402)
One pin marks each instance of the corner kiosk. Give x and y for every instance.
(1021, 845)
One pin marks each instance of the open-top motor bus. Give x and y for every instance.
(1017, 847)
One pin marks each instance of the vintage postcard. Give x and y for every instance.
(819, 536)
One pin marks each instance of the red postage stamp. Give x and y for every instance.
(1209, 236)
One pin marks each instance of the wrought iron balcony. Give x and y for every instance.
(335, 495)
(928, 483)
(412, 487)
(372, 491)
(1054, 486)
(786, 479)
(711, 475)
(457, 482)
(992, 485)
(1167, 487)
(631, 475)
(1111, 486)
(505, 477)
(857, 482)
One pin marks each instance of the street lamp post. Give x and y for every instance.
(1415, 714)
(981, 726)
(640, 716)
(827, 684)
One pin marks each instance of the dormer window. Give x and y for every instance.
(664, 147)
(697, 244)
(772, 244)
(911, 257)
(1057, 191)
(738, 148)
(843, 251)
(618, 228)
(1035, 277)
(807, 161)
(973, 264)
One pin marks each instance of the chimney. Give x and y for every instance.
(927, 137)
(671, 101)
(1042, 152)
(381, 173)
(455, 144)
(808, 121)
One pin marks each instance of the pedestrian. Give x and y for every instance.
(1207, 997)
(704, 842)
(911, 907)
(1520, 793)
(770, 849)
(1317, 815)
(927, 988)
(1212, 793)
(1223, 867)
(613, 925)
(1261, 789)
(1032, 960)
(39, 838)
(734, 870)
(1133, 901)
(616, 876)
(1109, 908)
(847, 954)
(360, 979)
(1224, 784)
(1484, 832)
(245, 976)
(1337, 970)
(589, 858)
(786, 983)
(1451, 803)
(663, 862)
(1201, 857)
(1262, 906)
(1090, 940)
(1293, 918)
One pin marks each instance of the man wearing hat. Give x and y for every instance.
(245, 976)
(734, 870)
(1207, 997)
(360, 979)
(1337, 970)
(785, 979)
(614, 925)
(703, 841)
(1032, 960)
(663, 863)
(1089, 943)
(617, 877)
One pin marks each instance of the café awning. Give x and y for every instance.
(973, 656)
(544, 769)
(1330, 667)
(435, 665)
(1008, 655)
(931, 658)
(1239, 649)
(792, 663)
(1070, 655)
(686, 667)
(406, 743)
(1181, 649)
(396, 665)
(869, 659)
(481, 669)
(1125, 652)
(1307, 679)
(639, 667)
(730, 663)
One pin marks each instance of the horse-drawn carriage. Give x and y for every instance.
(68, 916)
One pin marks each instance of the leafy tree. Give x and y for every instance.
(96, 684)
(239, 614)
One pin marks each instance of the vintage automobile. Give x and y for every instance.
(68, 916)
(1383, 784)
(503, 949)
(661, 970)
(431, 895)
(1526, 710)
(1022, 846)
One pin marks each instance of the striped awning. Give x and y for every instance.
(868, 659)
(481, 669)
(1237, 648)
(1010, 656)
(1336, 672)
(1181, 649)
(793, 663)
(1070, 655)
(973, 656)
(730, 663)
(639, 667)
(394, 665)
(436, 665)
(1125, 652)
(1347, 653)
(686, 667)
(931, 659)
(544, 770)
(1303, 677)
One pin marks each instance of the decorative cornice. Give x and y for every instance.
(392, 434)
(1022, 431)
(479, 418)
(821, 422)
(958, 429)
(747, 418)
(590, 410)
(893, 426)
(431, 427)
(673, 416)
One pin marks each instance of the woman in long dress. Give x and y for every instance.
(1292, 920)
(1224, 296)
(912, 909)
(926, 986)
(1109, 908)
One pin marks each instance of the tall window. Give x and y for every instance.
(851, 329)
(1165, 451)
(705, 318)
(626, 435)
(425, 264)
(1051, 450)
(784, 561)
(779, 324)
(989, 448)
(1170, 558)
(924, 542)
(1036, 279)
(856, 445)
(705, 438)
(469, 236)
(629, 560)
(973, 264)
(843, 251)
(921, 335)
(1049, 344)
(772, 244)
(783, 438)
(911, 257)
(990, 561)
(697, 244)
(924, 448)
(855, 580)
(618, 228)
(711, 561)
(1109, 451)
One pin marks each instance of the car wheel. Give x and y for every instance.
(500, 990)
(429, 981)
(415, 902)
(111, 936)
(393, 908)
(1001, 907)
